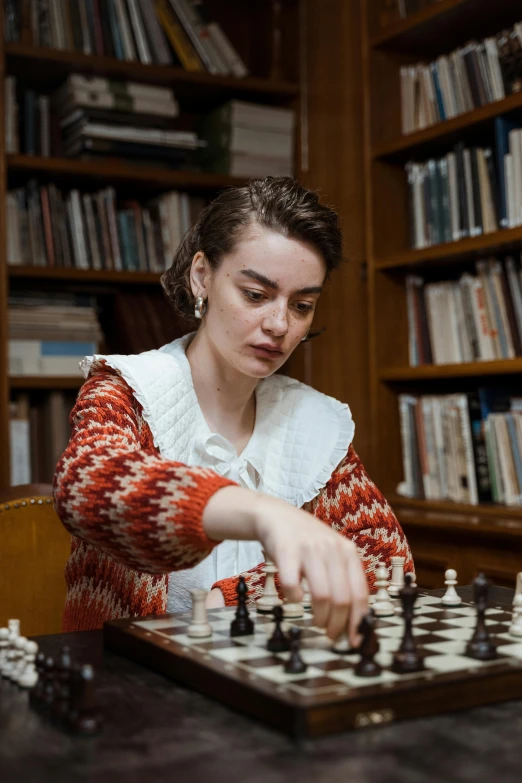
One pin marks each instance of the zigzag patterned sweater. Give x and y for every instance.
(136, 516)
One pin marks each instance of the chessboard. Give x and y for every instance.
(329, 697)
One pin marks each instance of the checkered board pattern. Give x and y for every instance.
(221, 666)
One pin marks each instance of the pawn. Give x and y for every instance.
(242, 625)
(278, 641)
(369, 647)
(293, 611)
(307, 595)
(342, 645)
(515, 629)
(451, 597)
(295, 664)
(29, 676)
(382, 606)
(86, 718)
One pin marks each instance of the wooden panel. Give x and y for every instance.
(4, 388)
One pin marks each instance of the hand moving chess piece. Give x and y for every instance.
(480, 645)
(295, 664)
(407, 658)
(369, 647)
(242, 625)
(278, 641)
(451, 597)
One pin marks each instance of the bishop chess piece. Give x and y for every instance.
(382, 605)
(451, 597)
(295, 664)
(397, 577)
(278, 641)
(481, 646)
(407, 659)
(242, 625)
(199, 628)
(369, 647)
(269, 599)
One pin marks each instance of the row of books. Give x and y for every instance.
(462, 447)
(39, 431)
(475, 318)
(166, 32)
(50, 227)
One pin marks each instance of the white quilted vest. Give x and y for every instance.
(299, 438)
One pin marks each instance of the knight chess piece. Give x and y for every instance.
(481, 646)
(407, 659)
(369, 647)
(295, 664)
(242, 624)
(278, 641)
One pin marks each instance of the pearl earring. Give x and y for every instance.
(200, 308)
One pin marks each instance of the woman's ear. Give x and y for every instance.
(200, 275)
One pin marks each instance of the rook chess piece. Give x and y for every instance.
(369, 647)
(382, 606)
(278, 641)
(407, 659)
(269, 598)
(199, 628)
(397, 577)
(242, 625)
(451, 597)
(480, 646)
(295, 664)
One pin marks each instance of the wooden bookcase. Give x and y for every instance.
(273, 61)
(470, 538)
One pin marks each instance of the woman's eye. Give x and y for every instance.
(254, 296)
(303, 307)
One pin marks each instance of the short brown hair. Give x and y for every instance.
(278, 203)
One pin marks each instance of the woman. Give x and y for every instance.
(176, 450)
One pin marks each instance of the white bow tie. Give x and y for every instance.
(225, 460)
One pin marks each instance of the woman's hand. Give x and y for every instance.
(215, 599)
(300, 545)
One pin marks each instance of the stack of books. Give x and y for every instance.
(473, 75)
(50, 335)
(48, 227)
(475, 318)
(139, 30)
(249, 140)
(462, 447)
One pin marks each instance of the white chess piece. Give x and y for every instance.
(11, 655)
(397, 577)
(292, 611)
(199, 627)
(307, 595)
(342, 644)
(515, 629)
(19, 658)
(382, 606)
(451, 597)
(29, 676)
(4, 646)
(269, 598)
(518, 588)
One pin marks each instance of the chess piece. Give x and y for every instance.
(36, 694)
(292, 611)
(295, 664)
(515, 629)
(278, 641)
(4, 646)
(11, 655)
(199, 628)
(307, 595)
(518, 588)
(242, 625)
(480, 646)
(342, 645)
(369, 647)
(382, 606)
(19, 659)
(451, 597)
(48, 683)
(397, 577)
(269, 598)
(407, 659)
(413, 578)
(85, 718)
(62, 688)
(29, 676)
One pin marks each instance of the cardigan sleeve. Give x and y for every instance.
(114, 491)
(351, 504)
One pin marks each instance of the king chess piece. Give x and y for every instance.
(407, 659)
(481, 646)
(369, 647)
(242, 625)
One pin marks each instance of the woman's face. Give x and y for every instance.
(261, 299)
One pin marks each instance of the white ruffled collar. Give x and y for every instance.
(299, 437)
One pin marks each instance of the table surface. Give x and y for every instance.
(155, 731)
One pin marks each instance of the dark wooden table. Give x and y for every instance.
(157, 732)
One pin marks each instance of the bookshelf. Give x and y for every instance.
(442, 533)
(266, 35)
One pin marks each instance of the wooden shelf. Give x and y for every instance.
(474, 247)
(43, 382)
(54, 64)
(446, 507)
(446, 131)
(114, 170)
(88, 275)
(445, 24)
(427, 372)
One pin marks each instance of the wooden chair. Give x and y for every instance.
(34, 547)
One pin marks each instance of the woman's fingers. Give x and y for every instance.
(340, 592)
(359, 592)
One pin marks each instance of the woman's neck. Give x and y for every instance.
(226, 397)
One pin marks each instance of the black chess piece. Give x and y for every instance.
(62, 687)
(369, 647)
(36, 693)
(49, 672)
(481, 646)
(84, 716)
(295, 664)
(278, 641)
(242, 625)
(407, 658)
